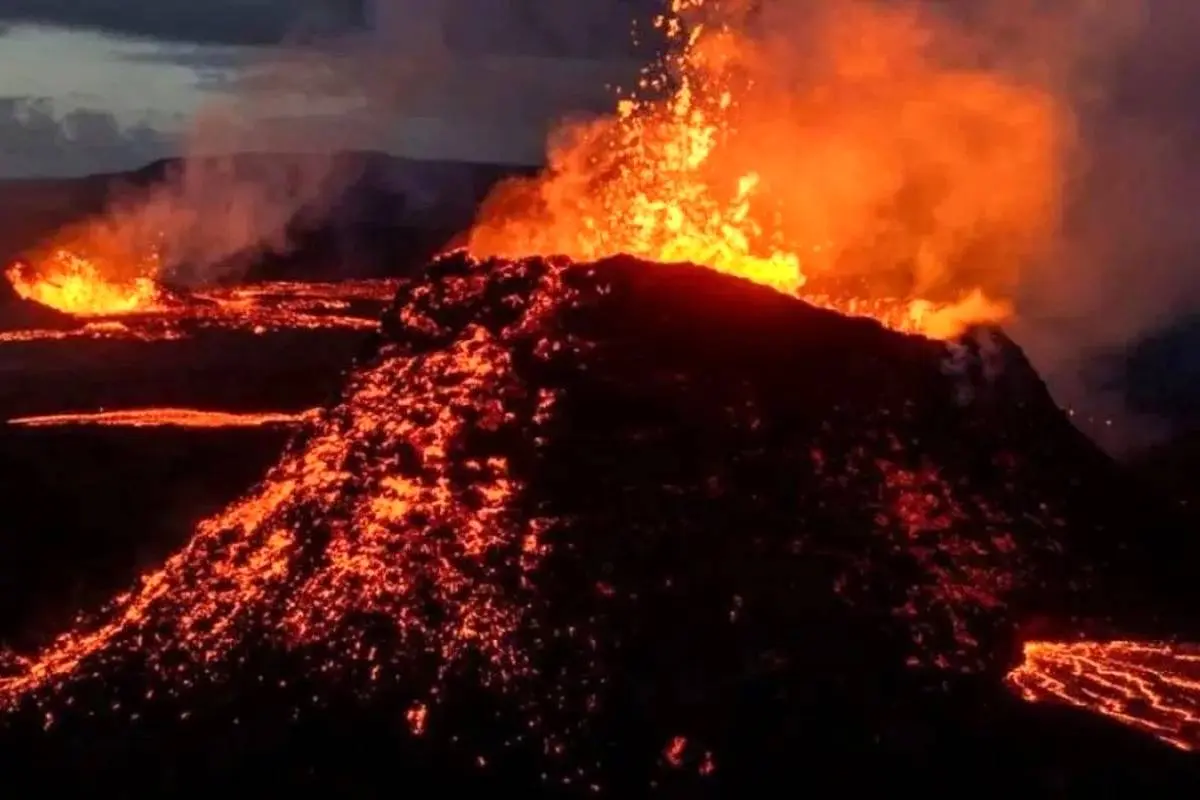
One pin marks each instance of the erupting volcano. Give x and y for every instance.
(600, 519)
(870, 175)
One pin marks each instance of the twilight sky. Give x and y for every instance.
(94, 85)
(88, 85)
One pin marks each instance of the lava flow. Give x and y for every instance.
(1151, 686)
(255, 308)
(98, 280)
(164, 417)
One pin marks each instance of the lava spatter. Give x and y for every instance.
(772, 145)
(1153, 687)
(70, 282)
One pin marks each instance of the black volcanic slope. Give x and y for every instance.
(17, 313)
(631, 527)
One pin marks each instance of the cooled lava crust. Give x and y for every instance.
(621, 525)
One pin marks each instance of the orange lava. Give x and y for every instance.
(1151, 686)
(843, 155)
(71, 283)
(253, 308)
(165, 417)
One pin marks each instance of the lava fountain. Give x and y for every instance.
(849, 159)
(76, 284)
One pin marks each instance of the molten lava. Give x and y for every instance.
(846, 156)
(256, 308)
(164, 417)
(1151, 686)
(70, 282)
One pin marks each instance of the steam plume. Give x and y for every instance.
(270, 153)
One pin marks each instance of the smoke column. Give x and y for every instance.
(1125, 263)
(266, 154)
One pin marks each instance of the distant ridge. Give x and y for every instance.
(392, 211)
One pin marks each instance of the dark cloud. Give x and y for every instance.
(550, 27)
(38, 141)
(595, 29)
(248, 22)
(216, 68)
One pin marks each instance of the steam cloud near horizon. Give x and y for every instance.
(302, 108)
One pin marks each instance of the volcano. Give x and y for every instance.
(622, 526)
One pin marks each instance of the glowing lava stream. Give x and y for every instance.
(1151, 686)
(166, 417)
(254, 308)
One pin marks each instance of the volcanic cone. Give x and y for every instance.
(623, 525)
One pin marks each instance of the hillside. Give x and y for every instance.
(628, 526)
(391, 212)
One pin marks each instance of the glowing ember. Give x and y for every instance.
(1151, 686)
(860, 169)
(69, 282)
(165, 417)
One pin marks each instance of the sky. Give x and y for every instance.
(100, 85)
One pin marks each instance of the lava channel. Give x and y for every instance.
(1151, 686)
(254, 308)
(166, 418)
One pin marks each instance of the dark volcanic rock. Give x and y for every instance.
(630, 526)
(17, 313)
